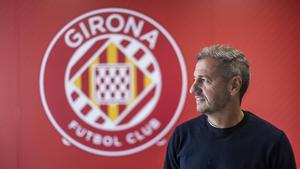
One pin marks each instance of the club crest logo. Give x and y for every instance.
(113, 82)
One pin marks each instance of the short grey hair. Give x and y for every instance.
(233, 63)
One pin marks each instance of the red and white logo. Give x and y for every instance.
(113, 82)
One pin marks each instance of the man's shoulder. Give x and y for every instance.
(263, 127)
(191, 124)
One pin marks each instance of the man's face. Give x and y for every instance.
(209, 87)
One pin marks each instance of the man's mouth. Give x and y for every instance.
(200, 98)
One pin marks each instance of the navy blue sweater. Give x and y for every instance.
(251, 144)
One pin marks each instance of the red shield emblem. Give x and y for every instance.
(113, 82)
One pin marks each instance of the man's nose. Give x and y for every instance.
(192, 88)
(195, 88)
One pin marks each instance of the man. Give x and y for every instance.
(226, 137)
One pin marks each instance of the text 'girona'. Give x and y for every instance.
(114, 24)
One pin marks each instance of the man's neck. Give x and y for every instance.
(225, 118)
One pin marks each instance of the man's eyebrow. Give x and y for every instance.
(199, 76)
(202, 76)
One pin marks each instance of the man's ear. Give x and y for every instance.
(235, 85)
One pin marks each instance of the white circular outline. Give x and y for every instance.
(157, 137)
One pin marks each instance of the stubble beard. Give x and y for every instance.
(209, 108)
(204, 107)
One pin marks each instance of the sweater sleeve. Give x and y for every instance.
(171, 161)
(284, 157)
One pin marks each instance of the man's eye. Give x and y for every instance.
(203, 80)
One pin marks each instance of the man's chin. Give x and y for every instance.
(203, 110)
(200, 109)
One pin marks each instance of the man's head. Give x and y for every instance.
(221, 76)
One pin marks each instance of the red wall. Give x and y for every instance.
(266, 31)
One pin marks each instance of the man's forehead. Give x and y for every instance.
(205, 67)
